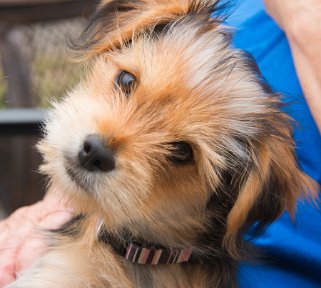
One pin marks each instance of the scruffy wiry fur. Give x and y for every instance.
(193, 87)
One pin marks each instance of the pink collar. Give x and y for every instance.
(137, 252)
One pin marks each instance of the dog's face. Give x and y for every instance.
(169, 117)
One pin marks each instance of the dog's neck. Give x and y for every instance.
(146, 246)
(208, 256)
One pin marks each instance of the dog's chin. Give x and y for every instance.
(77, 180)
(79, 177)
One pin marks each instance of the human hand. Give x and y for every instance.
(301, 21)
(20, 241)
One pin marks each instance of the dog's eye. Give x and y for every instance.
(126, 82)
(182, 153)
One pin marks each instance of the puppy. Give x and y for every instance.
(170, 149)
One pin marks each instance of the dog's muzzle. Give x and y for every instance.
(92, 159)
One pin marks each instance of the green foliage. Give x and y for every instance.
(52, 77)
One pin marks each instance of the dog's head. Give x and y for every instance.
(169, 119)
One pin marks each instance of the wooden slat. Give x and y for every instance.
(30, 2)
(17, 70)
(44, 11)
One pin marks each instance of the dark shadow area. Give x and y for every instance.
(20, 183)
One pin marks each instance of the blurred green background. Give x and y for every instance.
(44, 48)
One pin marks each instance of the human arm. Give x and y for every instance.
(301, 21)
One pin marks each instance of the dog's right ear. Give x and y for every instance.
(116, 22)
(272, 185)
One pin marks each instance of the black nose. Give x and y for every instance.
(95, 156)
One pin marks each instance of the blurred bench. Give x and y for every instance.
(21, 122)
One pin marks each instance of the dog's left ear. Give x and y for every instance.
(116, 22)
(273, 184)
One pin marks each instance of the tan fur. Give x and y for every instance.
(143, 15)
(246, 200)
(193, 87)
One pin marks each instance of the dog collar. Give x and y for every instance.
(142, 253)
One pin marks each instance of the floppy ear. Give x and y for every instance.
(273, 184)
(117, 21)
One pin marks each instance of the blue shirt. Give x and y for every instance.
(293, 248)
